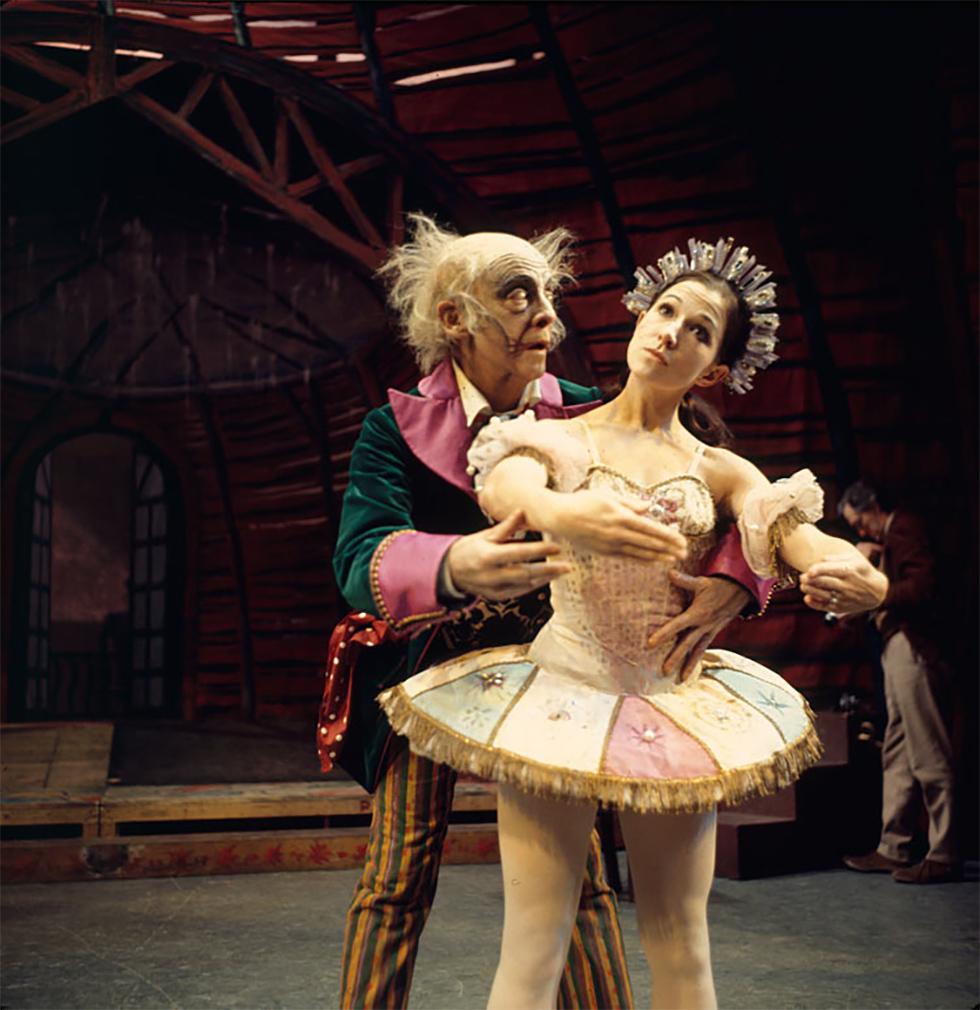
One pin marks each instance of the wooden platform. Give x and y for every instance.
(63, 821)
(55, 785)
(218, 852)
(67, 756)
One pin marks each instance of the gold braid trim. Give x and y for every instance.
(439, 743)
(780, 529)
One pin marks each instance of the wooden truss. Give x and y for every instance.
(93, 42)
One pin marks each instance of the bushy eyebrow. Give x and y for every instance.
(510, 268)
(515, 281)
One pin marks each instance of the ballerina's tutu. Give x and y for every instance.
(584, 712)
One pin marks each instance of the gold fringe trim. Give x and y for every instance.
(780, 529)
(437, 742)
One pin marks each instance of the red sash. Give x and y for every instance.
(355, 632)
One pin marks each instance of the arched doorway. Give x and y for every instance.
(97, 631)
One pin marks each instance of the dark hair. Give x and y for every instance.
(859, 496)
(704, 422)
(695, 413)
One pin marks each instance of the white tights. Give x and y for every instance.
(543, 846)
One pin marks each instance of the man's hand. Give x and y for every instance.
(843, 586)
(715, 602)
(605, 523)
(492, 565)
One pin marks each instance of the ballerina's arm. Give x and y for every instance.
(783, 514)
(594, 521)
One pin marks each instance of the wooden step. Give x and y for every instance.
(51, 808)
(753, 845)
(218, 853)
(131, 805)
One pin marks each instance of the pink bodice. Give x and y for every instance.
(607, 607)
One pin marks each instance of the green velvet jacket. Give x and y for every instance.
(408, 499)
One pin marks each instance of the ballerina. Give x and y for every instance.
(584, 714)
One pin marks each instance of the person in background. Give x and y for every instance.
(917, 754)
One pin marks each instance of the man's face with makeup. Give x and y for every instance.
(515, 288)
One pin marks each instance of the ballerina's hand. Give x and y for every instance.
(714, 603)
(604, 523)
(843, 586)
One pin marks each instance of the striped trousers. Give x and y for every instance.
(393, 897)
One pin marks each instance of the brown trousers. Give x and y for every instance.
(917, 757)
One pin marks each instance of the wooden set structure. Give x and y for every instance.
(196, 195)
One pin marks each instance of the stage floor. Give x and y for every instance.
(816, 940)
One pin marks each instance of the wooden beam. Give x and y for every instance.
(44, 116)
(396, 216)
(49, 69)
(305, 186)
(589, 142)
(197, 92)
(362, 255)
(244, 127)
(349, 169)
(101, 76)
(364, 16)
(16, 99)
(280, 169)
(356, 166)
(149, 69)
(345, 112)
(328, 170)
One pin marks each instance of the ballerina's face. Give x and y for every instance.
(676, 341)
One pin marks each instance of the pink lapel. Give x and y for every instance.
(434, 425)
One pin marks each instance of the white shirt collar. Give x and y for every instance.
(475, 404)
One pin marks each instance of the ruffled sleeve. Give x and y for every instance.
(564, 457)
(771, 513)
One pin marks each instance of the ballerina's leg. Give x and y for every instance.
(543, 846)
(672, 864)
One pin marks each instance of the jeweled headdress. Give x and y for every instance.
(747, 278)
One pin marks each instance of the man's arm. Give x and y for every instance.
(913, 567)
(727, 562)
(381, 562)
(386, 566)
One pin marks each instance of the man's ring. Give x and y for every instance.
(833, 599)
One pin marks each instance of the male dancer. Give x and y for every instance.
(415, 549)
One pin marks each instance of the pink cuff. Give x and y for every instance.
(727, 560)
(404, 577)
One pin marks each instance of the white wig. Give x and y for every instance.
(435, 266)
